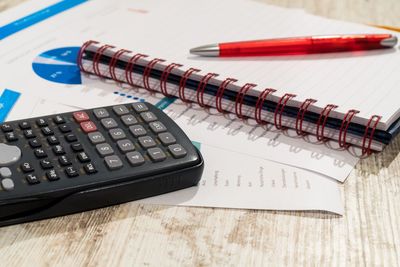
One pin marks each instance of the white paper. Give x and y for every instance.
(234, 180)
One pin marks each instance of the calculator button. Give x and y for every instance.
(113, 162)
(89, 168)
(6, 128)
(46, 164)
(64, 128)
(129, 120)
(27, 167)
(41, 122)
(166, 138)
(71, 172)
(135, 158)
(29, 134)
(64, 161)
(7, 184)
(88, 126)
(104, 149)
(83, 157)
(34, 143)
(101, 113)
(80, 116)
(32, 179)
(177, 151)
(47, 131)
(9, 154)
(120, 110)
(40, 153)
(109, 123)
(157, 127)
(139, 107)
(52, 175)
(156, 154)
(52, 140)
(117, 134)
(96, 138)
(24, 125)
(125, 146)
(146, 141)
(148, 116)
(58, 150)
(11, 137)
(70, 138)
(137, 130)
(5, 172)
(77, 147)
(58, 119)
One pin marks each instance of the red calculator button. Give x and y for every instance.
(88, 126)
(81, 116)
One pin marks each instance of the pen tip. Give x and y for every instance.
(389, 42)
(211, 50)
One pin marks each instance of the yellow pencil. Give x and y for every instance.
(391, 28)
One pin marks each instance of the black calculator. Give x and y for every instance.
(72, 162)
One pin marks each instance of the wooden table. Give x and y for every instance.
(133, 234)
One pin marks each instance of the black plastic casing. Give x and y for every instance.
(70, 195)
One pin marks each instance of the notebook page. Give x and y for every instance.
(365, 80)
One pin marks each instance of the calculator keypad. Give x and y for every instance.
(83, 145)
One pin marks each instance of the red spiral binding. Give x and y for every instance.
(81, 52)
(279, 110)
(96, 59)
(345, 125)
(164, 78)
(129, 68)
(240, 97)
(182, 83)
(146, 73)
(300, 115)
(323, 117)
(113, 63)
(260, 103)
(220, 93)
(202, 86)
(367, 149)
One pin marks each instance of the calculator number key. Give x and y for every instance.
(104, 149)
(177, 151)
(113, 162)
(117, 134)
(137, 130)
(146, 142)
(125, 145)
(156, 154)
(135, 158)
(96, 138)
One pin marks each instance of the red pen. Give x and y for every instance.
(298, 45)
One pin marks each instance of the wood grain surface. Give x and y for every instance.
(148, 235)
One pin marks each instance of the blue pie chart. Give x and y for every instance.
(58, 65)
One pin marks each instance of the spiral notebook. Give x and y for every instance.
(348, 97)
